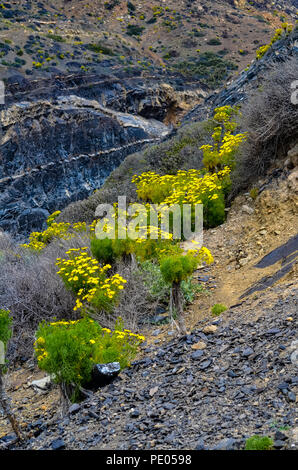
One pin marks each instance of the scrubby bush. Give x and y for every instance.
(284, 30)
(270, 121)
(210, 68)
(108, 250)
(5, 335)
(134, 30)
(69, 350)
(217, 309)
(31, 289)
(259, 443)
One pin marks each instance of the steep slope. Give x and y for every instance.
(231, 377)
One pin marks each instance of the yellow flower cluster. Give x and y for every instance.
(127, 333)
(84, 275)
(285, 29)
(52, 217)
(63, 230)
(202, 255)
(187, 187)
(221, 153)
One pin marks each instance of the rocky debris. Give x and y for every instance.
(42, 384)
(293, 180)
(103, 374)
(242, 383)
(247, 209)
(58, 444)
(210, 329)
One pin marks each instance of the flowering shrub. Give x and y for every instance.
(88, 280)
(187, 187)
(285, 29)
(63, 230)
(207, 186)
(52, 218)
(177, 268)
(69, 349)
(221, 154)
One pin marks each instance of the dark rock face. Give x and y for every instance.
(57, 151)
(61, 137)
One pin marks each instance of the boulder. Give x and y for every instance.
(103, 374)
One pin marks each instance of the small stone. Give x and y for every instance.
(135, 414)
(156, 333)
(283, 386)
(290, 319)
(247, 352)
(199, 345)
(200, 445)
(232, 374)
(205, 364)
(294, 357)
(58, 444)
(197, 355)
(292, 396)
(225, 444)
(42, 384)
(247, 209)
(73, 409)
(278, 444)
(273, 331)
(210, 329)
(279, 436)
(153, 391)
(103, 374)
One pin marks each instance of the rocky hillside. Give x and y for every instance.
(86, 85)
(230, 377)
(200, 39)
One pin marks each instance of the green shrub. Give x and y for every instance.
(159, 289)
(69, 349)
(5, 326)
(100, 48)
(217, 309)
(102, 250)
(108, 251)
(56, 37)
(189, 289)
(259, 443)
(254, 193)
(177, 268)
(214, 42)
(134, 30)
